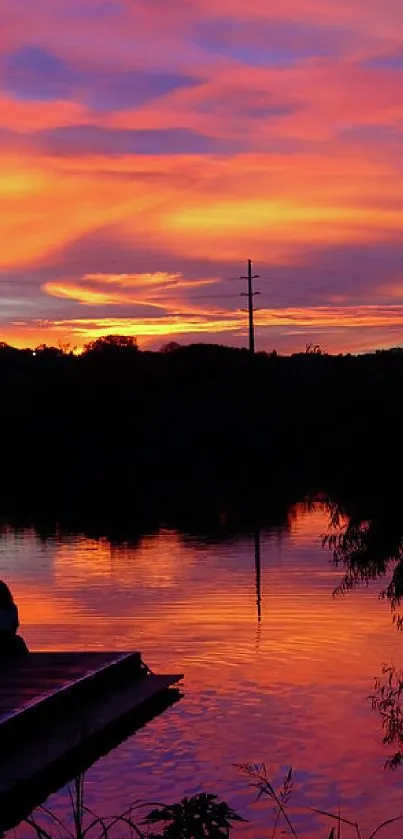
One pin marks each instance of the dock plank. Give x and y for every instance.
(96, 716)
(54, 680)
(57, 708)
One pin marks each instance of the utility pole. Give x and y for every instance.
(250, 295)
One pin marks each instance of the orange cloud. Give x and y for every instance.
(209, 321)
(139, 289)
(333, 316)
(26, 117)
(50, 203)
(269, 205)
(298, 130)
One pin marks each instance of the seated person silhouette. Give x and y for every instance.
(10, 643)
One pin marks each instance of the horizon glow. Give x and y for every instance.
(148, 149)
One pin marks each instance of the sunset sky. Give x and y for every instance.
(149, 148)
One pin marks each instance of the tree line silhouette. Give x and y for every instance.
(118, 428)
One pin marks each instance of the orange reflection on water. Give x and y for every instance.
(290, 689)
(204, 598)
(156, 561)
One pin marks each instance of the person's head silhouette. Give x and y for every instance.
(6, 598)
(11, 644)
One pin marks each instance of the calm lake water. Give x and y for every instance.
(289, 690)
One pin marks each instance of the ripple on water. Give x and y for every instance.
(290, 690)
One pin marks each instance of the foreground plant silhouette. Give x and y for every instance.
(387, 699)
(201, 816)
(204, 816)
(194, 818)
(258, 779)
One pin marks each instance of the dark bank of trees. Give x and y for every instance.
(117, 428)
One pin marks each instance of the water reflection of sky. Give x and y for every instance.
(290, 690)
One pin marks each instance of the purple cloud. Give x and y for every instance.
(35, 73)
(264, 43)
(132, 88)
(93, 139)
(388, 61)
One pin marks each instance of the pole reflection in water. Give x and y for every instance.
(258, 574)
(299, 699)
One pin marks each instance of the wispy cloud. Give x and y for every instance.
(179, 139)
(160, 290)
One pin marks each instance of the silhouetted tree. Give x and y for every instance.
(313, 349)
(111, 344)
(197, 425)
(48, 352)
(171, 346)
(367, 543)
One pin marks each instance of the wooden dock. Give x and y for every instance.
(61, 711)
